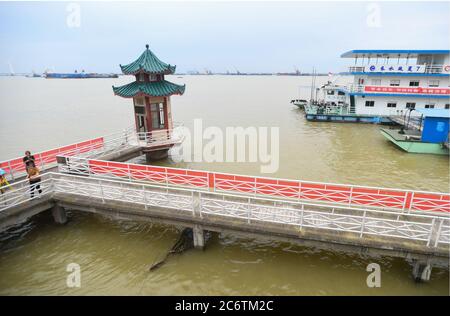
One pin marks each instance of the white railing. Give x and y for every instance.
(429, 230)
(429, 69)
(434, 69)
(355, 88)
(356, 69)
(159, 137)
(15, 168)
(19, 192)
(397, 200)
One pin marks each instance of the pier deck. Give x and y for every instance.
(409, 224)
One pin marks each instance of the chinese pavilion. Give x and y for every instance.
(151, 99)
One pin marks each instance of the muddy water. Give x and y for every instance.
(114, 256)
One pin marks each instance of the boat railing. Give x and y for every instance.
(433, 69)
(356, 69)
(354, 88)
(327, 108)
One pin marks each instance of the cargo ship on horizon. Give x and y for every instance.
(78, 75)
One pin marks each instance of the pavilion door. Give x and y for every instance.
(158, 116)
(141, 124)
(140, 119)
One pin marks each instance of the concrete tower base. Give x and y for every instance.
(156, 155)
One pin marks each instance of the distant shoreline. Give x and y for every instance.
(200, 74)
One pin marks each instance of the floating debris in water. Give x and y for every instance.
(184, 242)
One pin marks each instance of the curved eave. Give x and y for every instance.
(167, 71)
(129, 91)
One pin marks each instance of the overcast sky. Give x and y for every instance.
(249, 36)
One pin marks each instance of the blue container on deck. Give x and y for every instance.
(435, 125)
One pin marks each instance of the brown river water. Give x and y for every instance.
(114, 256)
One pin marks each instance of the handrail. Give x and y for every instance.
(338, 194)
(15, 167)
(428, 68)
(361, 221)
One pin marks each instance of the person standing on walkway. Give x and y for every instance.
(29, 160)
(35, 179)
(4, 184)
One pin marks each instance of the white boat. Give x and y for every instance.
(386, 83)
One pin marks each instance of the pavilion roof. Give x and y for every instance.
(152, 89)
(148, 63)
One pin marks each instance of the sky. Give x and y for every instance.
(219, 36)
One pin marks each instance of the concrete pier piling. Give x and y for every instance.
(199, 237)
(155, 155)
(422, 271)
(59, 214)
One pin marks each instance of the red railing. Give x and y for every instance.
(15, 167)
(350, 195)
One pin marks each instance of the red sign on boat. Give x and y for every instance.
(415, 90)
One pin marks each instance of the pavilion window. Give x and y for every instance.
(139, 101)
(153, 78)
(141, 77)
(157, 113)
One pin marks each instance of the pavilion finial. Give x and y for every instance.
(146, 46)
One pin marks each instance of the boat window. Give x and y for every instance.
(330, 92)
(341, 93)
(410, 105)
(414, 83)
(447, 106)
(429, 106)
(433, 83)
(370, 103)
(376, 82)
(395, 83)
(392, 105)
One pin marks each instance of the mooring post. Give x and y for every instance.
(199, 237)
(421, 270)
(59, 214)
